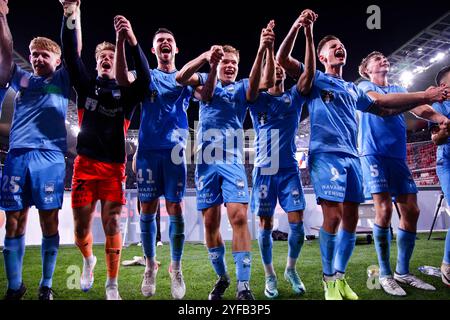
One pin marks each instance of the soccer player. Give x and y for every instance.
(441, 138)
(275, 115)
(161, 165)
(34, 168)
(105, 110)
(333, 158)
(220, 174)
(382, 145)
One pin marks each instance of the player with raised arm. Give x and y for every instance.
(34, 168)
(104, 110)
(220, 174)
(382, 146)
(276, 176)
(334, 163)
(161, 164)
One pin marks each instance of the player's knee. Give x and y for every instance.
(149, 207)
(112, 224)
(385, 210)
(211, 225)
(239, 220)
(13, 227)
(81, 232)
(173, 208)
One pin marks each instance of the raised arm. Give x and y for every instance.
(266, 41)
(396, 103)
(124, 33)
(306, 79)
(6, 45)
(268, 76)
(71, 45)
(284, 54)
(206, 92)
(187, 76)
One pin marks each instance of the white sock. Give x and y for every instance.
(290, 264)
(89, 260)
(268, 269)
(243, 285)
(340, 275)
(111, 282)
(329, 278)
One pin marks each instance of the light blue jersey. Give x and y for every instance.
(382, 136)
(275, 120)
(382, 145)
(220, 128)
(332, 110)
(220, 174)
(40, 108)
(164, 123)
(443, 150)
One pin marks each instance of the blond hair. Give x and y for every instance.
(363, 65)
(229, 49)
(42, 43)
(104, 46)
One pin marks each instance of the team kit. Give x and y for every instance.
(349, 161)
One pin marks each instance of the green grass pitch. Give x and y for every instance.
(199, 275)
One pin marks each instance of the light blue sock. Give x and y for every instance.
(447, 248)
(217, 257)
(382, 239)
(296, 238)
(265, 245)
(148, 234)
(327, 250)
(176, 235)
(49, 253)
(405, 247)
(13, 252)
(345, 245)
(243, 262)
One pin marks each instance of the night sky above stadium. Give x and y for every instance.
(199, 24)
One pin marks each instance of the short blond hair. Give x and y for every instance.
(104, 46)
(363, 65)
(42, 43)
(229, 49)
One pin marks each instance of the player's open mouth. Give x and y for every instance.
(166, 49)
(229, 72)
(106, 65)
(339, 54)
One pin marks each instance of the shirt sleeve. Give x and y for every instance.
(363, 101)
(297, 99)
(241, 91)
(19, 78)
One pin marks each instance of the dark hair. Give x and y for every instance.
(363, 65)
(163, 30)
(441, 74)
(324, 41)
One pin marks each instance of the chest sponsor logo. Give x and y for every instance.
(91, 104)
(327, 96)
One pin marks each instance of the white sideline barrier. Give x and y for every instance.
(194, 231)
